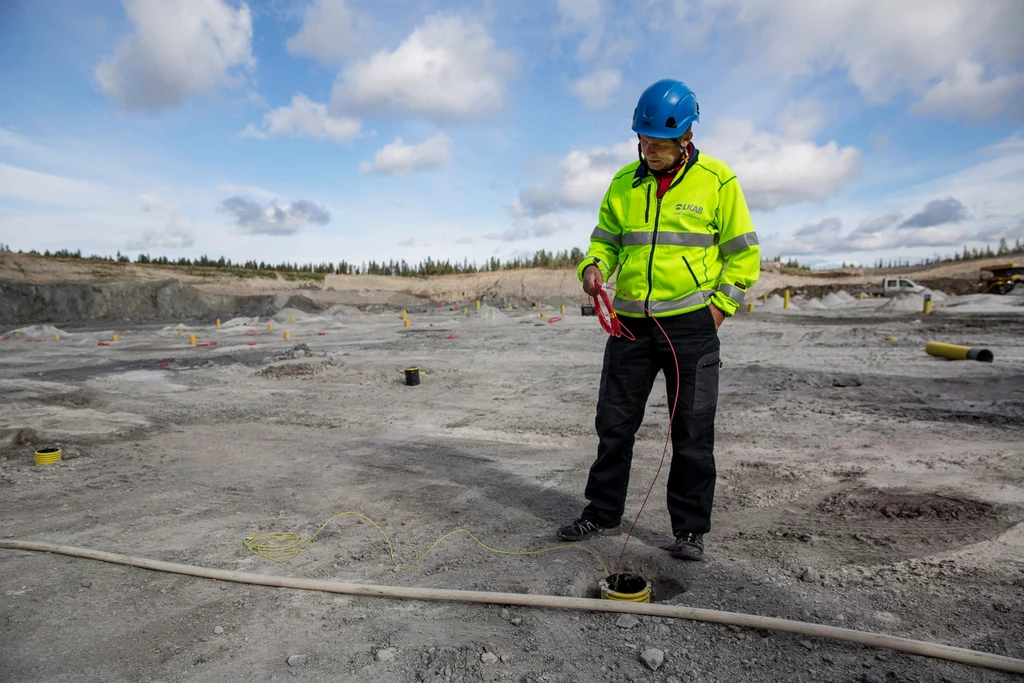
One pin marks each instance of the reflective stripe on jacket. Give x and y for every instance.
(694, 246)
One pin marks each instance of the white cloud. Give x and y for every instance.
(328, 33)
(586, 17)
(569, 198)
(447, 67)
(304, 118)
(801, 119)
(255, 219)
(45, 188)
(177, 230)
(1002, 232)
(595, 88)
(937, 212)
(179, 48)
(774, 170)
(12, 140)
(399, 159)
(590, 19)
(579, 182)
(884, 48)
(825, 237)
(249, 190)
(965, 95)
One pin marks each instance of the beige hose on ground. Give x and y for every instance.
(917, 647)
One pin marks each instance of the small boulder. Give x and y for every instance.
(653, 658)
(627, 621)
(810, 575)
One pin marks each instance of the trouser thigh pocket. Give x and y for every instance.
(705, 389)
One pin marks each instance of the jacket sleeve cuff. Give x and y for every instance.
(589, 261)
(724, 303)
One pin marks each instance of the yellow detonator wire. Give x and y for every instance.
(281, 546)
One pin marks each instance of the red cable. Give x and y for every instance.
(612, 326)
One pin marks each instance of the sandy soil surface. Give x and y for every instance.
(895, 476)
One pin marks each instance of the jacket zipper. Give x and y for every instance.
(654, 239)
(647, 211)
(692, 274)
(650, 259)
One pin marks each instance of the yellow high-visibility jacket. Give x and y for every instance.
(693, 247)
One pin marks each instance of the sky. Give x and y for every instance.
(330, 130)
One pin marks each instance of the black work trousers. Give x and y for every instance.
(626, 382)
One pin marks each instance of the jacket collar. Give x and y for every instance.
(642, 171)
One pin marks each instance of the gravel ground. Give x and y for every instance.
(861, 484)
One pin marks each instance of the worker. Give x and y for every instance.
(677, 227)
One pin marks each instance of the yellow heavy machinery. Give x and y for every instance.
(1001, 279)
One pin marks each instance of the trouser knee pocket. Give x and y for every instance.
(705, 382)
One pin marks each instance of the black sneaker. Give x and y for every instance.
(688, 546)
(584, 528)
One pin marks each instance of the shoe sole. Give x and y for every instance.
(604, 531)
(680, 556)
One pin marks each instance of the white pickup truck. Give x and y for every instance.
(891, 286)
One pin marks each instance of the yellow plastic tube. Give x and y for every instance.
(48, 456)
(955, 352)
(642, 595)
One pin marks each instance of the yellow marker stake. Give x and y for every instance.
(750, 308)
(406, 322)
(404, 314)
(287, 336)
(291, 319)
(543, 315)
(115, 337)
(785, 299)
(478, 304)
(563, 309)
(58, 337)
(218, 323)
(927, 306)
(465, 310)
(270, 326)
(192, 339)
(181, 332)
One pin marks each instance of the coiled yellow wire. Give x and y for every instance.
(281, 546)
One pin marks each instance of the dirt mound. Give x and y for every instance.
(776, 304)
(303, 304)
(814, 305)
(903, 303)
(491, 314)
(288, 314)
(135, 300)
(298, 368)
(835, 300)
(343, 311)
(239, 322)
(38, 331)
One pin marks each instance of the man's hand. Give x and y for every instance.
(717, 314)
(592, 280)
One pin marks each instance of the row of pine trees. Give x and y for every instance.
(402, 268)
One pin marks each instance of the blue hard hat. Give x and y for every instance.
(665, 110)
